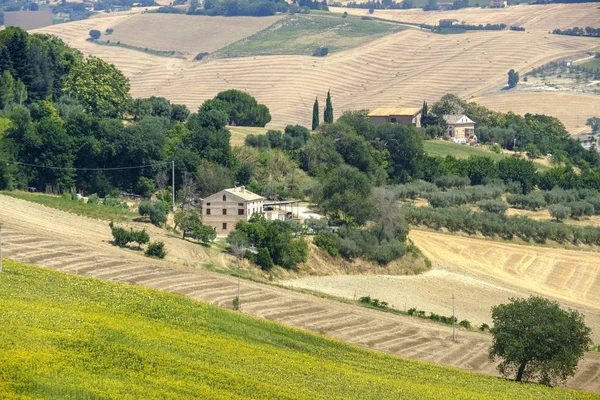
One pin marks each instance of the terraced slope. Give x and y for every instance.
(572, 109)
(533, 17)
(400, 69)
(37, 235)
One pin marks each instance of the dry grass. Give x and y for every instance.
(188, 34)
(400, 69)
(532, 17)
(572, 109)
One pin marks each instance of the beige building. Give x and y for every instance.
(224, 209)
(403, 116)
(460, 127)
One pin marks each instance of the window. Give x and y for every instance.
(241, 204)
(224, 198)
(241, 211)
(208, 204)
(208, 211)
(393, 120)
(224, 211)
(224, 226)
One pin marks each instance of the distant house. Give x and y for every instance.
(224, 209)
(587, 140)
(447, 23)
(498, 3)
(460, 127)
(403, 116)
(445, 6)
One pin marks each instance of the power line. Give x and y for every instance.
(86, 169)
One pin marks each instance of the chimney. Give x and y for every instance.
(243, 188)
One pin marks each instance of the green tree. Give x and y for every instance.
(156, 250)
(537, 340)
(264, 260)
(95, 34)
(559, 212)
(593, 123)
(100, 87)
(513, 78)
(7, 89)
(242, 108)
(204, 233)
(328, 114)
(518, 170)
(315, 116)
(20, 92)
(140, 237)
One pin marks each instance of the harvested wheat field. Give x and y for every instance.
(532, 17)
(571, 109)
(189, 34)
(405, 68)
(66, 242)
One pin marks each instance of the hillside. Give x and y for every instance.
(403, 68)
(66, 337)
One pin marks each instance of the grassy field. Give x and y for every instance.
(239, 133)
(302, 34)
(96, 211)
(68, 337)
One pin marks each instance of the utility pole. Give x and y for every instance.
(173, 182)
(0, 246)
(238, 289)
(453, 321)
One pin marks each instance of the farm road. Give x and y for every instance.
(42, 236)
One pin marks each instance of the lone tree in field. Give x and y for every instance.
(95, 34)
(538, 340)
(315, 119)
(328, 115)
(513, 78)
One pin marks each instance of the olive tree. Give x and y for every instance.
(537, 340)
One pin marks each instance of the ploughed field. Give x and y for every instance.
(38, 235)
(399, 69)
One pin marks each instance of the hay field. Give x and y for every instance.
(533, 17)
(571, 109)
(189, 34)
(405, 68)
(47, 237)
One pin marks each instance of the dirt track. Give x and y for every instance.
(51, 238)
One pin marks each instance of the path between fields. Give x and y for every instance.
(43, 236)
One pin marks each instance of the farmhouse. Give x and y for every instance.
(404, 116)
(447, 23)
(460, 127)
(224, 209)
(498, 3)
(445, 6)
(587, 140)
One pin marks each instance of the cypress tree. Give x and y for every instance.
(328, 115)
(424, 114)
(315, 120)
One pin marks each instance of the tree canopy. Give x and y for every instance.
(535, 339)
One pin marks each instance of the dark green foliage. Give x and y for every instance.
(532, 201)
(140, 237)
(156, 211)
(315, 115)
(580, 209)
(95, 34)
(204, 233)
(145, 187)
(321, 52)
(550, 351)
(121, 236)
(328, 114)
(263, 259)
(156, 250)
(484, 327)
(232, 8)
(277, 237)
(449, 181)
(241, 108)
(327, 243)
(465, 324)
(373, 302)
(513, 78)
(517, 170)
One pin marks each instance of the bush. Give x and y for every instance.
(156, 250)
(327, 243)
(93, 199)
(580, 209)
(114, 202)
(145, 187)
(493, 206)
(200, 56)
(156, 211)
(140, 237)
(465, 324)
(95, 34)
(484, 327)
(204, 233)
(321, 52)
(559, 212)
(120, 236)
(448, 181)
(264, 260)
(109, 31)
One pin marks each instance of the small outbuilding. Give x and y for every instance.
(447, 23)
(403, 116)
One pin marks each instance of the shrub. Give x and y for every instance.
(327, 243)
(580, 209)
(156, 250)
(120, 236)
(448, 181)
(465, 324)
(204, 233)
(200, 56)
(93, 199)
(114, 202)
(559, 212)
(109, 31)
(145, 187)
(95, 34)
(264, 260)
(156, 211)
(321, 52)
(493, 206)
(484, 327)
(140, 237)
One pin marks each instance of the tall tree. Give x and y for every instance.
(315, 118)
(7, 89)
(538, 340)
(328, 115)
(513, 78)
